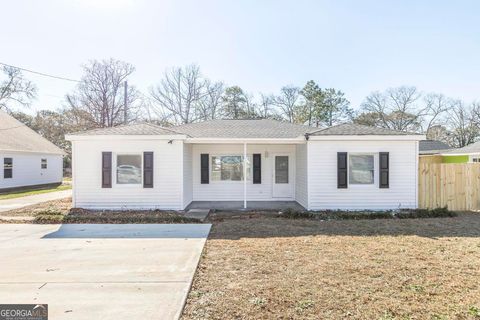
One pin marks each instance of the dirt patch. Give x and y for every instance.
(61, 211)
(258, 267)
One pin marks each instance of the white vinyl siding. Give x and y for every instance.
(167, 180)
(233, 190)
(27, 170)
(301, 179)
(322, 176)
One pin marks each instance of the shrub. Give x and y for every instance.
(425, 213)
(49, 215)
(295, 214)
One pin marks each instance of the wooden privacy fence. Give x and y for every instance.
(455, 185)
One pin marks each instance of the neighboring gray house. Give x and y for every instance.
(26, 158)
(243, 162)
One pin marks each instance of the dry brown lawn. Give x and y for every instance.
(265, 267)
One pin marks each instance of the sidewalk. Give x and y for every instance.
(10, 204)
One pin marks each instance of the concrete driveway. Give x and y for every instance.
(91, 271)
(20, 202)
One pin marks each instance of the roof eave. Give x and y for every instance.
(297, 140)
(70, 137)
(406, 137)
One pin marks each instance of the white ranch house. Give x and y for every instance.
(144, 166)
(26, 158)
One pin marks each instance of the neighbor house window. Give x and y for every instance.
(129, 169)
(361, 168)
(44, 163)
(7, 168)
(229, 168)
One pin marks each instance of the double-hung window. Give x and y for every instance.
(229, 168)
(361, 169)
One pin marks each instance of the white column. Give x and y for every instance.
(244, 175)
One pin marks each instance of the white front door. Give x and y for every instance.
(282, 176)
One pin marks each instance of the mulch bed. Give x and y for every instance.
(60, 211)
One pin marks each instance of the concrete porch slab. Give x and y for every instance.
(200, 214)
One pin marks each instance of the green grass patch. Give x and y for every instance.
(30, 192)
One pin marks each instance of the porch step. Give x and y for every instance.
(200, 214)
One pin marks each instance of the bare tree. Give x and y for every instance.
(396, 108)
(265, 107)
(287, 102)
(436, 105)
(179, 94)
(463, 124)
(209, 106)
(15, 89)
(99, 97)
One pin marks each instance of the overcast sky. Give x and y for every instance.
(354, 46)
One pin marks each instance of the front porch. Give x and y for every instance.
(259, 175)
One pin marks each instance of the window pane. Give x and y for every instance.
(361, 169)
(228, 168)
(129, 169)
(281, 169)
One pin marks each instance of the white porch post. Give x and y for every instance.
(244, 175)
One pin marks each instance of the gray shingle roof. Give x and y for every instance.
(241, 129)
(351, 129)
(432, 147)
(261, 129)
(15, 136)
(471, 148)
(133, 129)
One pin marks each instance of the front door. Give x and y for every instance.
(282, 176)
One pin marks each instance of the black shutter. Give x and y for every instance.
(148, 169)
(204, 179)
(106, 169)
(342, 169)
(384, 168)
(257, 168)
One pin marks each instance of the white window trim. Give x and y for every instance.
(249, 159)
(128, 185)
(375, 170)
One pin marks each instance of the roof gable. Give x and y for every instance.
(16, 136)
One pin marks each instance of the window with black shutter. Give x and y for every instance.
(342, 169)
(148, 169)
(106, 169)
(384, 169)
(204, 170)
(257, 168)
